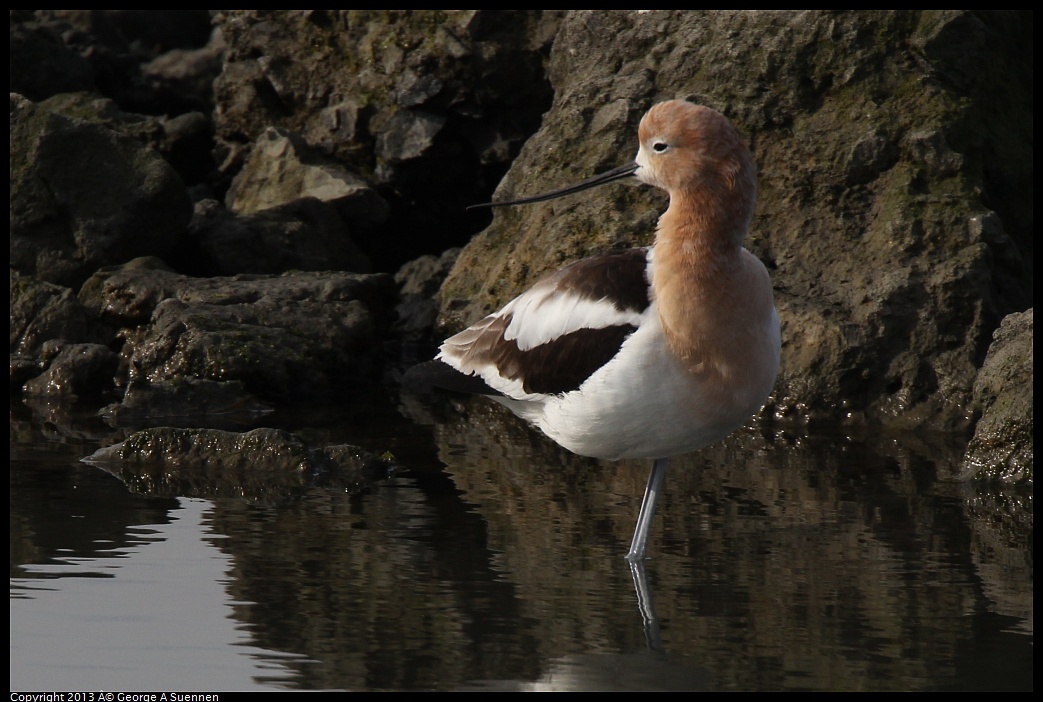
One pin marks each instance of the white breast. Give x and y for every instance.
(641, 404)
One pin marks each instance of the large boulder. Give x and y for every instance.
(83, 196)
(895, 199)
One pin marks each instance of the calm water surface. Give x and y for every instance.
(495, 561)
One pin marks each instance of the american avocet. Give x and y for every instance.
(645, 353)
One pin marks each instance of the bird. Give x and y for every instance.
(650, 352)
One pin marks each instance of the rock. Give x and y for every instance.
(118, 45)
(190, 70)
(79, 371)
(281, 169)
(42, 311)
(266, 465)
(44, 316)
(295, 336)
(896, 197)
(127, 295)
(196, 402)
(42, 65)
(408, 135)
(185, 141)
(1001, 449)
(895, 236)
(418, 283)
(83, 196)
(305, 234)
(430, 104)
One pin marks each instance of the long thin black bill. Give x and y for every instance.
(593, 181)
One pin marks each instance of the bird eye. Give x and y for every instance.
(660, 146)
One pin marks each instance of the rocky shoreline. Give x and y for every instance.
(217, 212)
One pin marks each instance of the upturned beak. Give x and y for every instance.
(592, 182)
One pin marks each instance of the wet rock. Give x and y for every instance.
(1001, 449)
(265, 465)
(43, 316)
(43, 311)
(134, 291)
(184, 402)
(78, 372)
(298, 335)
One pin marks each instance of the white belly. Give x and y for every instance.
(641, 404)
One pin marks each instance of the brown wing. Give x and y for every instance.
(552, 338)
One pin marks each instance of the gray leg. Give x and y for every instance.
(645, 606)
(648, 503)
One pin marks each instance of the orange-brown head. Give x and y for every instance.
(694, 154)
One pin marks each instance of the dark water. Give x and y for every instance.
(495, 561)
